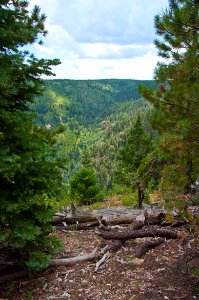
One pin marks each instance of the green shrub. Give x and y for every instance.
(130, 199)
(118, 189)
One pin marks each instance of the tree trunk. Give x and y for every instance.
(127, 235)
(140, 195)
(109, 220)
(71, 219)
(81, 226)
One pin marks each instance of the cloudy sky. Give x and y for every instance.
(100, 38)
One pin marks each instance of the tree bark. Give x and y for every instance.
(115, 246)
(112, 220)
(81, 226)
(73, 260)
(140, 194)
(70, 219)
(127, 235)
(143, 248)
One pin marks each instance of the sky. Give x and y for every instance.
(97, 39)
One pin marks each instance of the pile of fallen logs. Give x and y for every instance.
(86, 221)
(149, 224)
(117, 226)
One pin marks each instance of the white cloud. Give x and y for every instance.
(43, 49)
(113, 51)
(100, 39)
(134, 68)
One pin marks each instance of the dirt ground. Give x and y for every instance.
(162, 273)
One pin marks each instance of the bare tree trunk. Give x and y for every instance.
(140, 194)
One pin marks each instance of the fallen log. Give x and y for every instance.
(53, 263)
(78, 226)
(117, 244)
(73, 260)
(135, 226)
(71, 219)
(111, 220)
(145, 247)
(119, 220)
(129, 234)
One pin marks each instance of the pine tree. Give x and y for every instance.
(136, 147)
(84, 187)
(176, 100)
(30, 174)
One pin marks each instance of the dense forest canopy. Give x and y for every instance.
(99, 115)
(86, 102)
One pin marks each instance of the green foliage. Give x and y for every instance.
(98, 114)
(29, 294)
(84, 102)
(130, 199)
(103, 143)
(30, 172)
(84, 187)
(176, 99)
(119, 189)
(138, 144)
(38, 260)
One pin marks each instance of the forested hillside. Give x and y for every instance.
(85, 102)
(98, 115)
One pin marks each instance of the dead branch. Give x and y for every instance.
(115, 246)
(143, 248)
(73, 260)
(103, 260)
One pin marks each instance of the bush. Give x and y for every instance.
(130, 199)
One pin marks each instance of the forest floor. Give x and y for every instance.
(163, 273)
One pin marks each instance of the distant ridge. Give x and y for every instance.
(85, 102)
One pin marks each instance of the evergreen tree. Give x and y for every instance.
(137, 146)
(30, 174)
(84, 187)
(176, 100)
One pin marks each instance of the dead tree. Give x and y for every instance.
(140, 187)
(133, 234)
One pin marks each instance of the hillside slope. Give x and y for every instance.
(84, 102)
(98, 115)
